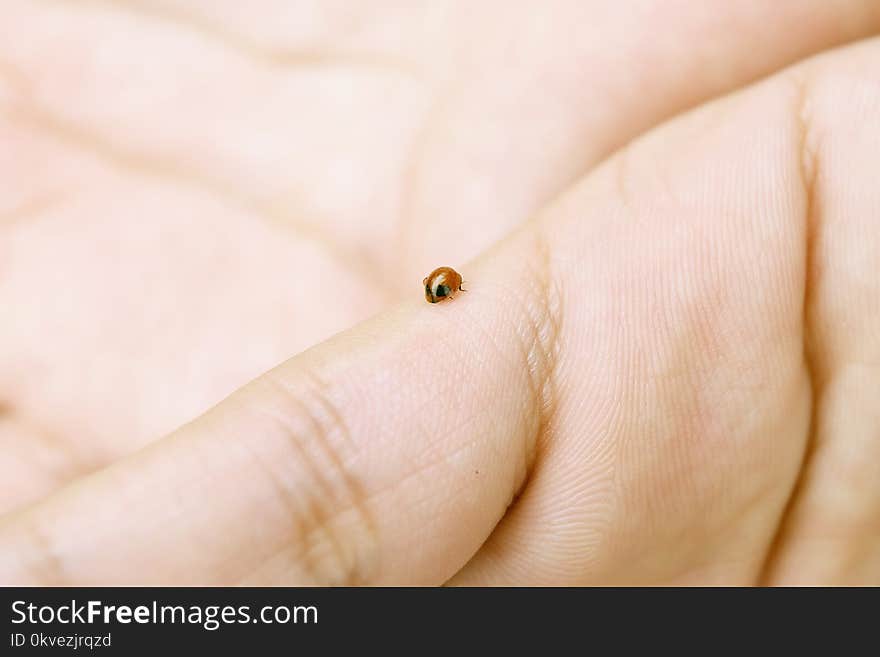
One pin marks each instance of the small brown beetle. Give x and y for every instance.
(442, 283)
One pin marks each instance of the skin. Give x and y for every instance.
(666, 369)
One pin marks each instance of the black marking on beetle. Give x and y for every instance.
(442, 291)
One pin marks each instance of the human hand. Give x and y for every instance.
(667, 370)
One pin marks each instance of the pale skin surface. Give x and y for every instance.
(668, 371)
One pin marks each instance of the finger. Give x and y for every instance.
(385, 455)
(532, 113)
(832, 533)
(693, 391)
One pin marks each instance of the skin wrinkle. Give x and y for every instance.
(303, 517)
(547, 328)
(32, 208)
(168, 173)
(317, 519)
(336, 418)
(373, 495)
(360, 571)
(27, 112)
(808, 166)
(368, 62)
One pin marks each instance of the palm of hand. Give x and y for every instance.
(193, 200)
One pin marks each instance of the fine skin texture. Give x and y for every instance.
(666, 369)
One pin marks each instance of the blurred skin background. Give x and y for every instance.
(665, 370)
